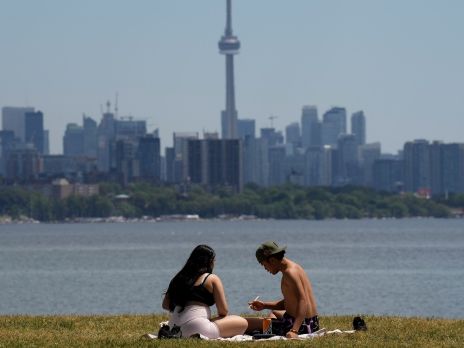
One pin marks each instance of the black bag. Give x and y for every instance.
(166, 332)
(359, 324)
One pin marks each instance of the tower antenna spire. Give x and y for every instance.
(229, 45)
(116, 105)
(228, 31)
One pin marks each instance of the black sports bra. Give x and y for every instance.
(200, 294)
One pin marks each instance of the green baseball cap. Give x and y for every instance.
(268, 249)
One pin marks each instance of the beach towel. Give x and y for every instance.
(243, 338)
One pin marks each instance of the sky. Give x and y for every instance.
(401, 62)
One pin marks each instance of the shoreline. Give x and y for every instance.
(193, 218)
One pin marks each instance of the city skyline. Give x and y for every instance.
(399, 63)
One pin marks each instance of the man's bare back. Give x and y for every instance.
(294, 273)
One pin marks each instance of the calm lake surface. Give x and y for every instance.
(410, 267)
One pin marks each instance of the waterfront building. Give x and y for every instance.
(358, 127)
(229, 46)
(452, 168)
(7, 143)
(23, 164)
(417, 166)
(72, 167)
(387, 174)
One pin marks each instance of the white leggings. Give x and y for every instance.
(194, 319)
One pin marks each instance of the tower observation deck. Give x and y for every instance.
(229, 45)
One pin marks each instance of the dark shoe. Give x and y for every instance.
(359, 324)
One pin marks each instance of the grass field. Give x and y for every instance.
(126, 331)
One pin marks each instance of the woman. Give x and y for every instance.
(191, 293)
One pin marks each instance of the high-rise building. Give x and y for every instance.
(127, 127)
(170, 160)
(368, 153)
(272, 136)
(347, 171)
(46, 139)
(310, 127)
(148, 153)
(73, 140)
(126, 161)
(293, 135)
(358, 127)
(246, 128)
(417, 166)
(7, 144)
(277, 165)
(333, 125)
(90, 136)
(452, 165)
(13, 119)
(229, 45)
(180, 164)
(34, 130)
(23, 164)
(215, 162)
(105, 138)
(387, 174)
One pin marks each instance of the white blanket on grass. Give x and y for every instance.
(242, 338)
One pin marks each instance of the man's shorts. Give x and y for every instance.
(283, 325)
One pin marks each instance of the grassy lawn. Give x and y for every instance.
(126, 330)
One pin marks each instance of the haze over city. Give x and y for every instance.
(399, 62)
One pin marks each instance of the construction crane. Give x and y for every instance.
(271, 119)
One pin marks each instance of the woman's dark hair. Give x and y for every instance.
(199, 262)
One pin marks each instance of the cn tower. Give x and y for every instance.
(229, 46)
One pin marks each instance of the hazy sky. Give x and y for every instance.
(401, 61)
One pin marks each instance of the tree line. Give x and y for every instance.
(283, 202)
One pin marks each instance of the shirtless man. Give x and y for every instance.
(296, 313)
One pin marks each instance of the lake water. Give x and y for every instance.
(410, 267)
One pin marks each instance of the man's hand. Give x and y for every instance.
(291, 334)
(256, 305)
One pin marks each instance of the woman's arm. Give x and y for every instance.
(219, 295)
(166, 302)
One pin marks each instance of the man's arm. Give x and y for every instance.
(295, 283)
(273, 305)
